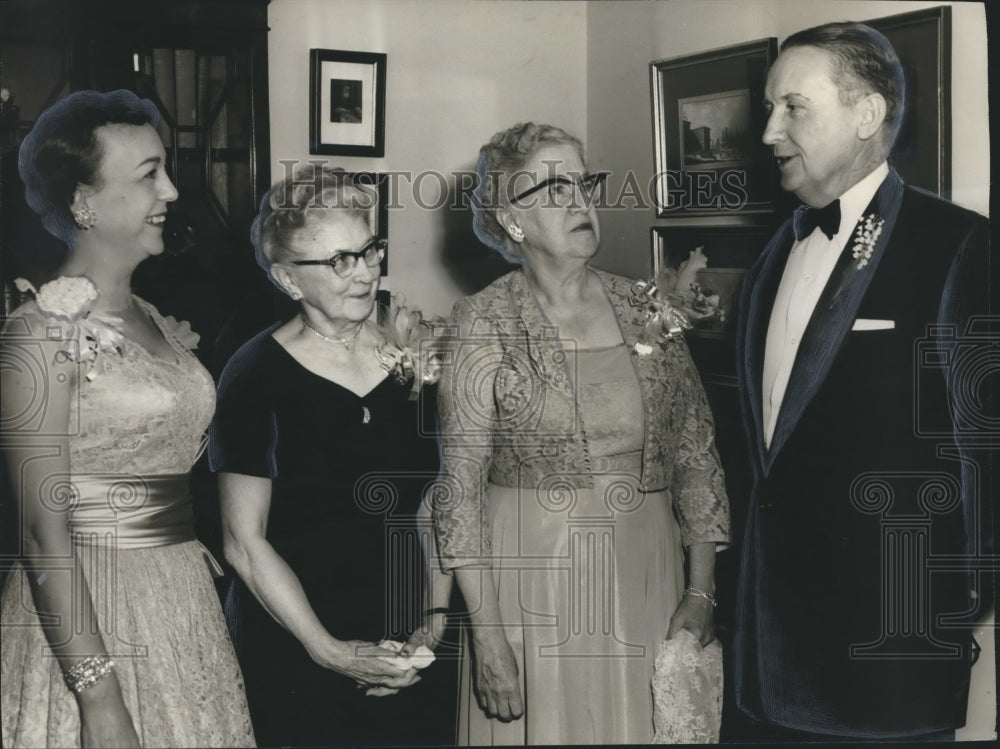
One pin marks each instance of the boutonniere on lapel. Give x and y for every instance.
(661, 322)
(865, 237)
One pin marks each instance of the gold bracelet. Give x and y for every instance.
(87, 672)
(700, 594)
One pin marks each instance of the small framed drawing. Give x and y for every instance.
(373, 189)
(346, 103)
(708, 119)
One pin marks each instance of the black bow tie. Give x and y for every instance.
(826, 218)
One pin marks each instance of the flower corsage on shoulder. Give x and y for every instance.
(69, 302)
(411, 348)
(662, 323)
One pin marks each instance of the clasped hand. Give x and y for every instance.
(696, 616)
(370, 666)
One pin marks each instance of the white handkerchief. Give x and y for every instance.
(422, 657)
(863, 323)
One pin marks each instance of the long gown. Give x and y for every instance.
(348, 472)
(587, 581)
(135, 431)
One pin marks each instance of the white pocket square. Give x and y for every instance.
(863, 323)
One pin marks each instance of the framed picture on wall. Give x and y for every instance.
(708, 119)
(346, 103)
(922, 151)
(373, 189)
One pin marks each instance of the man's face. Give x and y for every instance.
(813, 134)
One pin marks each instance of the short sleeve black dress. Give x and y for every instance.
(347, 473)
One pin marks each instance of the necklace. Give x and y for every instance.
(346, 342)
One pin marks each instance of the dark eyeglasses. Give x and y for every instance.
(344, 262)
(562, 191)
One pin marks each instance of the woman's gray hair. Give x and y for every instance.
(499, 160)
(312, 193)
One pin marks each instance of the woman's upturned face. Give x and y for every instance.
(564, 232)
(339, 299)
(131, 201)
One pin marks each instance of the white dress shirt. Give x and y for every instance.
(810, 263)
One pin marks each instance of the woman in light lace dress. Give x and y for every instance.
(112, 630)
(578, 468)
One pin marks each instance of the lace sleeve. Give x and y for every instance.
(466, 412)
(699, 486)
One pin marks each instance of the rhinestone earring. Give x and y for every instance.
(85, 217)
(516, 233)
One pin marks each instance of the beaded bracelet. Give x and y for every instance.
(88, 672)
(700, 594)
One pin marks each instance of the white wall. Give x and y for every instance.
(624, 36)
(457, 72)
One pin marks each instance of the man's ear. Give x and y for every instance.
(872, 109)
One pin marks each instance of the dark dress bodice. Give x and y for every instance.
(348, 472)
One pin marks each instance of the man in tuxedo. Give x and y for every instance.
(857, 581)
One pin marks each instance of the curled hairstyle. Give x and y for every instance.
(315, 192)
(499, 160)
(864, 62)
(63, 151)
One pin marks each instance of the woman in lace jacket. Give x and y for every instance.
(578, 461)
(113, 634)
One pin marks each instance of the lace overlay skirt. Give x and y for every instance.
(162, 623)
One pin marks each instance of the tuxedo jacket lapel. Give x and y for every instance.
(833, 316)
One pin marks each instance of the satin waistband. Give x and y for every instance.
(132, 512)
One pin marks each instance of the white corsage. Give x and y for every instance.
(409, 349)
(67, 298)
(869, 229)
(70, 300)
(661, 321)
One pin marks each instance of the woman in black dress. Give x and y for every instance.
(323, 457)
